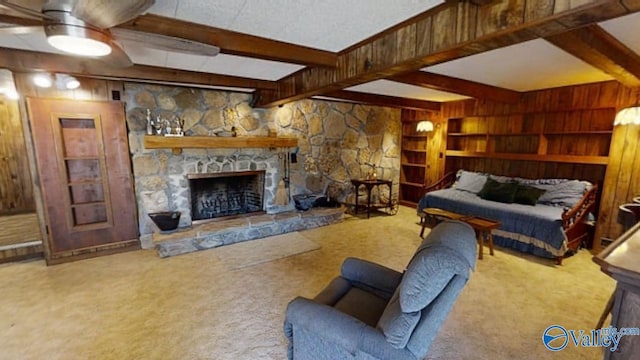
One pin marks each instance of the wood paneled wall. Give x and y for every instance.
(16, 195)
(620, 179)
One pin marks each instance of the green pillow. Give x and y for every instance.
(497, 191)
(527, 195)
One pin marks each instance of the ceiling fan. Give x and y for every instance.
(87, 28)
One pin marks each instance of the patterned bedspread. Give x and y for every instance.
(528, 226)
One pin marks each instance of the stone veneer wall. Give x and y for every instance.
(335, 142)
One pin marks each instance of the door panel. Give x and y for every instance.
(83, 161)
(80, 151)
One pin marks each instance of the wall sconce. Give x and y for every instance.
(67, 81)
(630, 115)
(62, 81)
(424, 126)
(42, 80)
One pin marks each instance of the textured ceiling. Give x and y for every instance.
(334, 25)
(531, 65)
(331, 25)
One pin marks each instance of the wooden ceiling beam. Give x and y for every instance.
(384, 100)
(447, 32)
(26, 61)
(457, 86)
(231, 42)
(597, 47)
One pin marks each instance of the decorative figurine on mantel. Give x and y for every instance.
(167, 127)
(149, 123)
(158, 125)
(173, 127)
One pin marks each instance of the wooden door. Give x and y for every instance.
(85, 173)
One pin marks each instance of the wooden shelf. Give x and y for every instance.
(516, 134)
(586, 132)
(571, 137)
(414, 165)
(416, 136)
(575, 159)
(411, 184)
(467, 134)
(416, 150)
(214, 142)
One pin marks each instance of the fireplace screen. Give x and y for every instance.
(224, 194)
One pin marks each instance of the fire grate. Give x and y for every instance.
(226, 194)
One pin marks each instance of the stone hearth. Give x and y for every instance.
(230, 231)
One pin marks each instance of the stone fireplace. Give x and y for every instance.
(335, 142)
(224, 194)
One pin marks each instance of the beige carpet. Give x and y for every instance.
(250, 253)
(138, 306)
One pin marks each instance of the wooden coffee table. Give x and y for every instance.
(482, 226)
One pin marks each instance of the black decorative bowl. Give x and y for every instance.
(305, 202)
(166, 220)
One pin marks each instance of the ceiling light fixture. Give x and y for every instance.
(42, 80)
(64, 81)
(78, 40)
(424, 126)
(630, 115)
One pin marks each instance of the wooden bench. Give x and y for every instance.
(482, 226)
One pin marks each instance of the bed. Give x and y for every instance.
(552, 224)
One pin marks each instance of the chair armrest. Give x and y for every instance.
(370, 274)
(340, 329)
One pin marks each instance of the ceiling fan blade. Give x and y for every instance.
(20, 30)
(118, 58)
(24, 10)
(164, 42)
(105, 13)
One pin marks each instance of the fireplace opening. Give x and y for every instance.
(225, 194)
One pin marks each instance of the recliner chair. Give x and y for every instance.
(373, 312)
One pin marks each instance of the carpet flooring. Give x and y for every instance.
(137, 306)
(249, 253)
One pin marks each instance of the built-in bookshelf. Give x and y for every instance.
(413, 164)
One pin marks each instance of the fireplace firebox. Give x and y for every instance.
(216, 195)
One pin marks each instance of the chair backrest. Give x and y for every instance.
(434, 277)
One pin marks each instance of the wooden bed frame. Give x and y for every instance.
(574, 220)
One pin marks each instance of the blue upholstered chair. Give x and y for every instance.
(373, 312)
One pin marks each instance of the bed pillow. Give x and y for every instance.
(497, 191)
(567, 193)
(471, 181)
(527, 195)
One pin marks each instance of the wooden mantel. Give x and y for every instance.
(177, 143)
